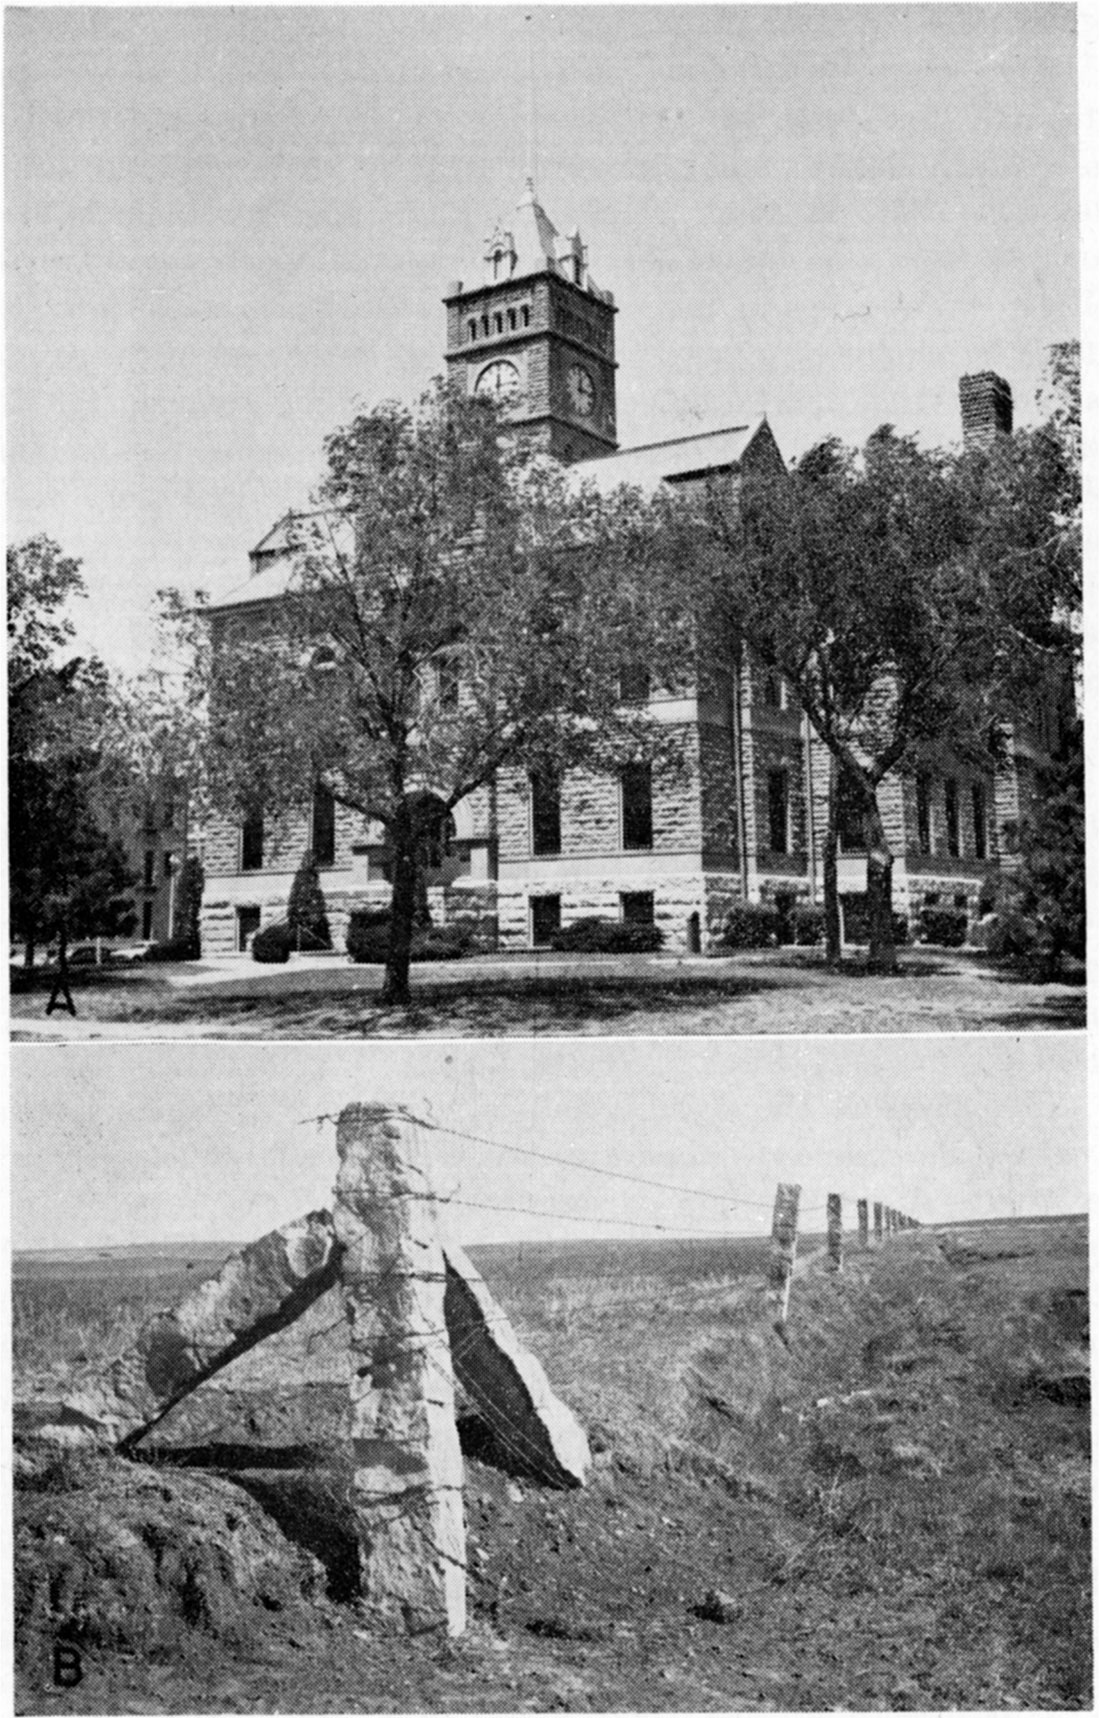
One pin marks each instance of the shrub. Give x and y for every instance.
(808, 924)
(606, 936)
(177, 948)
(369, 939)
(750, 925)
(857, 926)
(273, 944)
(306, 907)
(945, 926)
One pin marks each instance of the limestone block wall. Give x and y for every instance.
(591, 813)
(677, 896)
(286, 837)
(470, 905)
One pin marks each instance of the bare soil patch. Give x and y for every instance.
(888, 1510)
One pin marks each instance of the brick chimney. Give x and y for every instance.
(986, 401)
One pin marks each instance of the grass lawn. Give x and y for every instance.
(773, 992)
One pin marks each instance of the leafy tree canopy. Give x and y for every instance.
(456, 609)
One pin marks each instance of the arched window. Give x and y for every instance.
(526, 314)
(498, 323)
(511, 322)
(471, 328)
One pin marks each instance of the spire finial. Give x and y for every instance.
(531, 136)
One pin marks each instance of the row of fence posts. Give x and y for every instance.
(876, 1223)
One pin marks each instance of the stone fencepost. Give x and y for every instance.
(407, 1478)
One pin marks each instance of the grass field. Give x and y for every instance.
(780, 992)
(894, 1500)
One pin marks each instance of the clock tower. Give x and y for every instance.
(539, 335)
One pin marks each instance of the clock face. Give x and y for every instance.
(582, 391)
(499, 380)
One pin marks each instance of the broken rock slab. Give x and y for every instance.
(258, 1291)
(408, 1474)
(506, 1384)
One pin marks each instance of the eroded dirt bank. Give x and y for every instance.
(889, 1510)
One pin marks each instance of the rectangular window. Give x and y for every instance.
(924, 814)
(248, 923)
(951, 815)
(977, 800)
(252, 842)
(778, 811)
(150, 867)
(545, 919)
(545, 815)
(634, 685)
(637, 908)
(772, 690)
(323, 825)
(637, 798)
(849, 815)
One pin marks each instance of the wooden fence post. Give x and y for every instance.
(835, 1233)
(878, 1223)
(861, 1218)
(784, 1246)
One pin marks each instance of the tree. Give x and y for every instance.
(1041, 913)
(455, 609)
(69, 878)
(852, 577)
(305, 911)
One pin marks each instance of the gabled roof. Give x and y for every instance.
(646, 468)
(273, 562)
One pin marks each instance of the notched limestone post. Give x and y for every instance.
(861, 1218)
(878, 1223)
(259, 1290)
(835, 1233)
(784, 1244)
(407, 1485)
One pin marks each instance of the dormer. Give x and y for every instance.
(500, 256)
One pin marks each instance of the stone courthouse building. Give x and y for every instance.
(744, 820)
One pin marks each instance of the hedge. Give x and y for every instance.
(750, 924)
(368, 939)
(943, 925)
(273, 944)
(808, 924)
(606, 936)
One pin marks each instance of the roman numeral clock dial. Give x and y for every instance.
(582, 391)
(500, 381)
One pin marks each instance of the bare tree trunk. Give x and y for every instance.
(395, 989)
(881, 954)
(829, 881)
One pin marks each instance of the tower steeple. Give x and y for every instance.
(539, 334)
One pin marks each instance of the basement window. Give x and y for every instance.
(545, 919)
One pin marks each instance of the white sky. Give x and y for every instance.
(227, 227)
(118, 1143)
